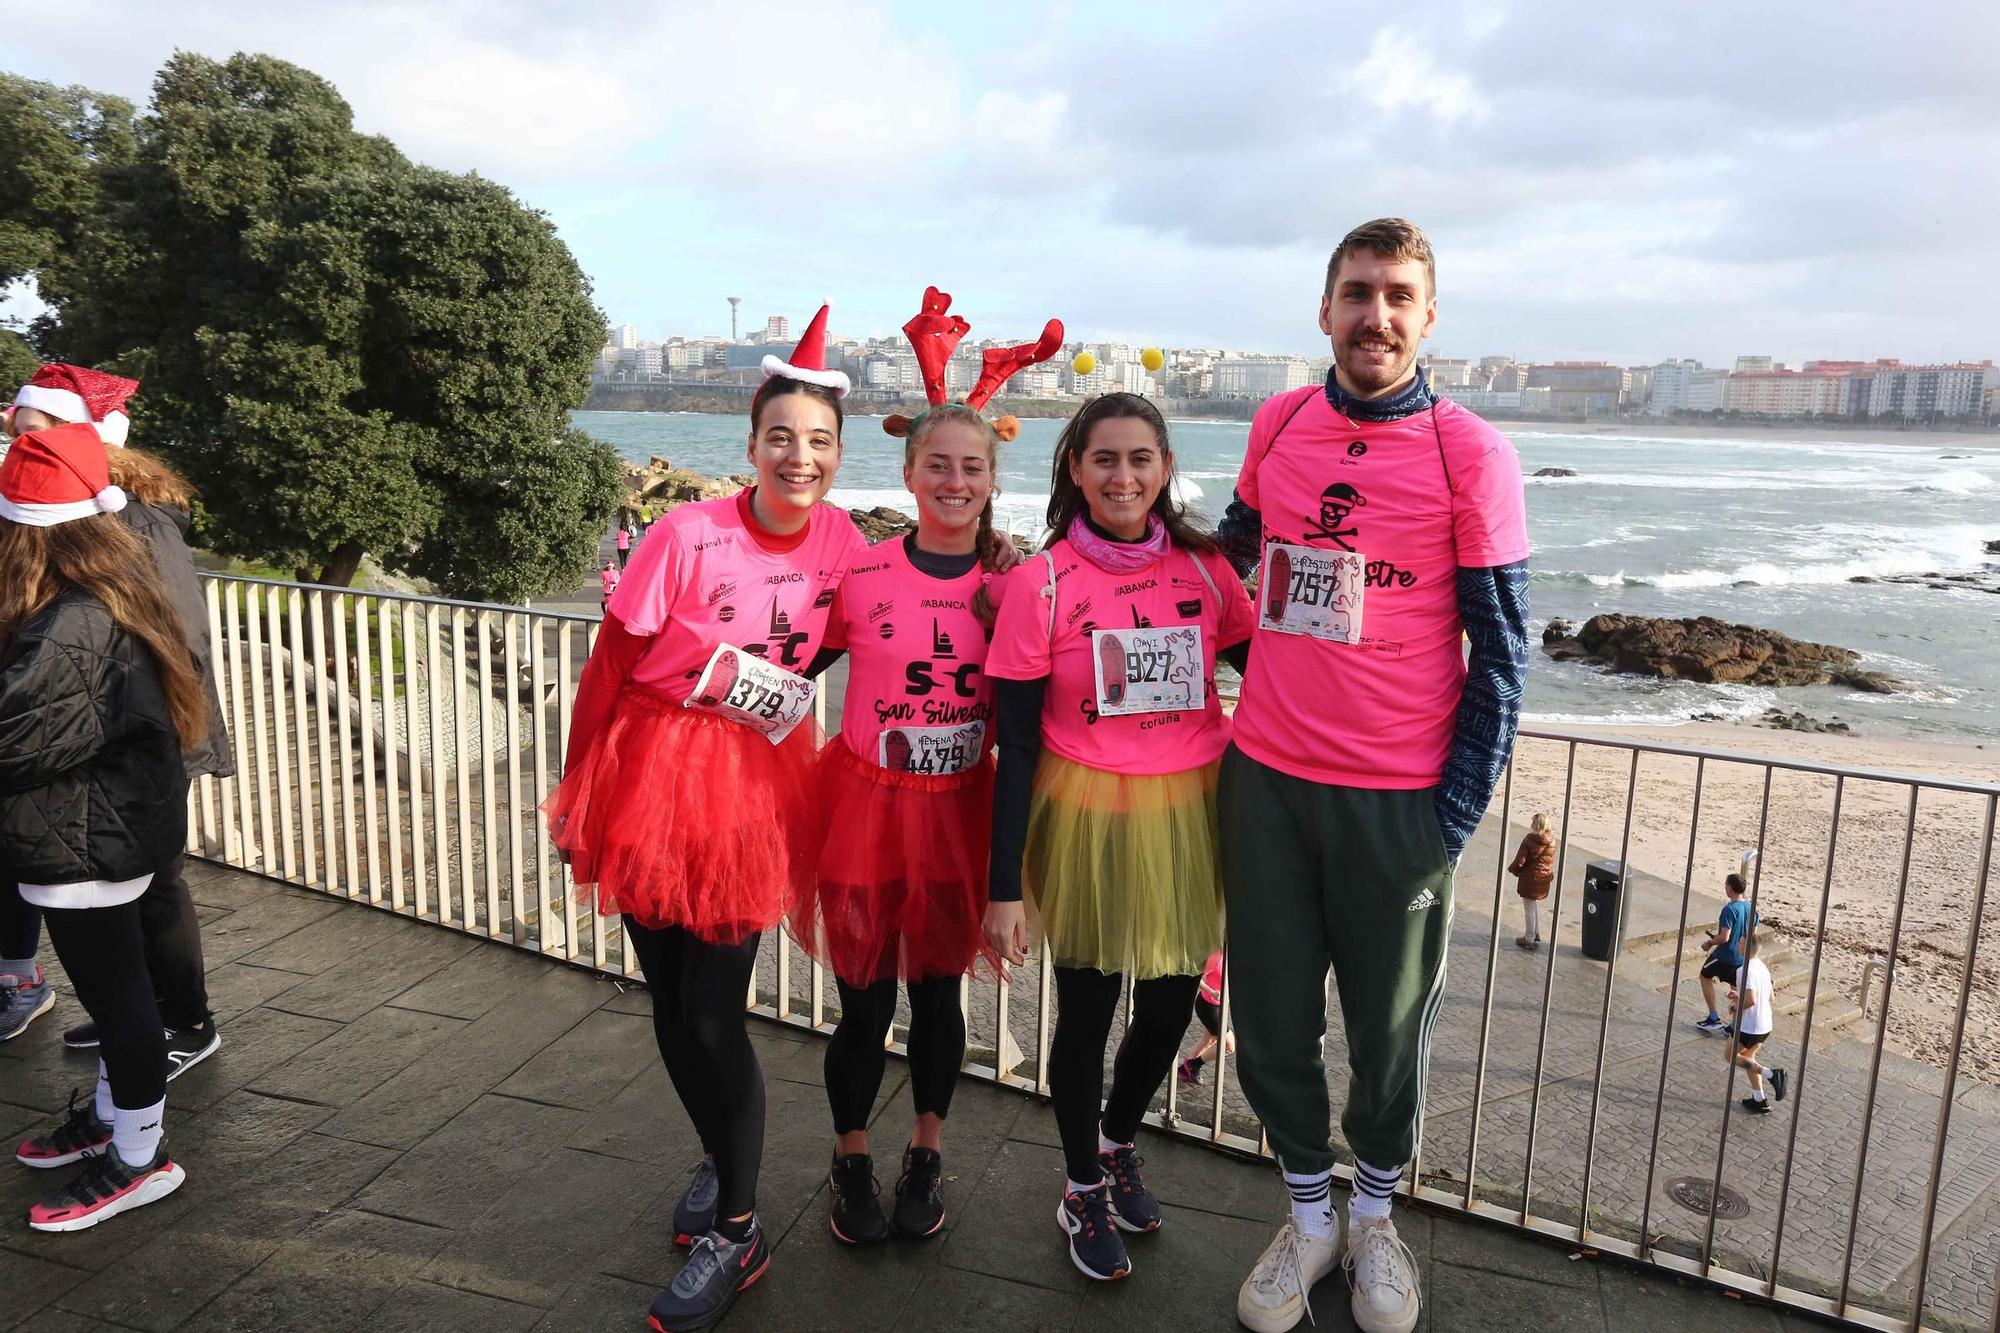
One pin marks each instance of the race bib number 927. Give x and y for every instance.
(1149, 670)
(745, 688)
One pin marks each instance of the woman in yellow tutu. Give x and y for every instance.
(1109, 732)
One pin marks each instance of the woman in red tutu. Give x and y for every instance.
(906, 789)
(686, 802)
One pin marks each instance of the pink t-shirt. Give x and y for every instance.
(916, 658)
(624, 540)
(1170, 592)
(1416, 500)
(609, 578)
(708, 582)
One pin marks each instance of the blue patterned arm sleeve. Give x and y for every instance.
(1493, 603)
(1241, 533)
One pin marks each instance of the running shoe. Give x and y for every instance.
(1383, 1274)
(1714, 1027)
(1095, 1246)
(1188, 1071)
(717, 1271)
(188, 1047)
(1778, 1082)
(1278, 1291)
(857, 1208)
(920, 1194)
(106, 1188)
(1755, 1107)
(82, 1037)
(694, 1215)
(1133, 1206)
(80, 1135)
(22, 1002)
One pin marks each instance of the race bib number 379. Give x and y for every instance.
(1149, 670)
(745, 688)
(1312, 592)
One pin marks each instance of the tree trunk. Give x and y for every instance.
(341, 566)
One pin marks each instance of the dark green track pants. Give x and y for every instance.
(1348, 878)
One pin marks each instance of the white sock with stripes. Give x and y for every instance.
(1312, 1202)
(1374, 1188)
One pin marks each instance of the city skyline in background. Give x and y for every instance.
(1628, 186)
(1755, 385)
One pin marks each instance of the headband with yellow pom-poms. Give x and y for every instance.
(934, 335)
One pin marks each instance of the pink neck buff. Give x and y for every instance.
(1120, 557)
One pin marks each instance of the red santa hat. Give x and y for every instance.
(80, 394)
(808, 361)
(55, 475)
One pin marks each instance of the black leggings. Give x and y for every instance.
(173, 940)
(699, 1021)
(1086, 1002)
(20, 923)
(104, 951)
(855, 1058)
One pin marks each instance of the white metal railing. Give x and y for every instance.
(392, 750)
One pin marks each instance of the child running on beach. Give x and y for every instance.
(1754, 1017)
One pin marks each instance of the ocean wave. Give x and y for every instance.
(1673, 703)
(1952, 481)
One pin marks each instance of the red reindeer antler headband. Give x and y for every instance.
(934, 335)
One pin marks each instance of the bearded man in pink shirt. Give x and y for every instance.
(1391, 528)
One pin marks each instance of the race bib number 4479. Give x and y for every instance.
(745, 688)
(1312, 592)
(936, 751)
(1149, 670)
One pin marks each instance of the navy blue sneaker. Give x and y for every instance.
(22, 1001)
(1095, 1246)
(694, 1215)
(717, 1271)
(1133, 1206)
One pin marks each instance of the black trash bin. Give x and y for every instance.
(1601, 882)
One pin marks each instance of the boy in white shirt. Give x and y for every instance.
(1754, 1013)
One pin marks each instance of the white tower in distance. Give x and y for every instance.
(734, 301)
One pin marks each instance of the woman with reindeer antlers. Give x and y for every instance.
(1104, 808)
(906, 789)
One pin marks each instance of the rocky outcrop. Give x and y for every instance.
(1710, 651)
(1779, 720)
(659, 486)
(881, 523)
(1993, 547)
(1556, 472)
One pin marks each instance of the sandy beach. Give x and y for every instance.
(1861, 894)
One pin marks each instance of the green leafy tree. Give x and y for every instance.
(17, 359)
(348, 354)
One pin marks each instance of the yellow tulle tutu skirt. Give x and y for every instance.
(1121, 871)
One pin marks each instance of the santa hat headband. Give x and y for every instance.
(934, 335)
(808, 360)
(57, 475)
(79, 394)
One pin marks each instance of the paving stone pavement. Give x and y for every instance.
(408, 1129)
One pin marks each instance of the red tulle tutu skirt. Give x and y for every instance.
(680, 818)
(901, 890)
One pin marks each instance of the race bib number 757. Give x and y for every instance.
(745, 688)
(1312, 592)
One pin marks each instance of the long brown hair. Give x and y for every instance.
(149, 480)
(1066, 500)
(988, 541)
(101, 558)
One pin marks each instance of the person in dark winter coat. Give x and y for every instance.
(157, 505)
(99, 699)
(1534, 870)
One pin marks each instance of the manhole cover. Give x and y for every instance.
(1692, 1194)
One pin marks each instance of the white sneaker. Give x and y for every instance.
(1275, 1295)
(1383, 1274)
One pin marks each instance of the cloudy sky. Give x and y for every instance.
(1802, 180)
